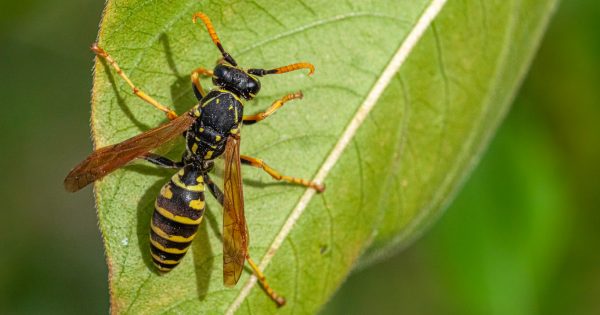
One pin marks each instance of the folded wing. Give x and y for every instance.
(235, 232)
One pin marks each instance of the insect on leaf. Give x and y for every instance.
(404, 98)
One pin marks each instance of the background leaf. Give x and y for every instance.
(398, 172)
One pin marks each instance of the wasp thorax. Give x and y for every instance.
(236, 80)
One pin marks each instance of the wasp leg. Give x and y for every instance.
(198, 90)
(139, 93)
(263, 282)
(277, 176)
(252, 119)
(284, 69)
(214, 189)
(162, 161)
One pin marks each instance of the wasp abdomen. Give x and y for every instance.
(178, 211)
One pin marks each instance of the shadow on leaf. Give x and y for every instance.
(120, 100)
(203, 259)
(181, 90)
(144, 215)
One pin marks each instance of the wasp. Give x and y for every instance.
(211, 129)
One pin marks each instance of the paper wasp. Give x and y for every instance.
(211, 129)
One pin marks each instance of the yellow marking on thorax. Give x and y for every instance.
(208, 155)
(194, 147)
(172, 238)
(237, 98)
(207, 102)
(197, 111)
(166, 249)
(217, 138)
(179, 219)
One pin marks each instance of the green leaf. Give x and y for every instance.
(404, 99)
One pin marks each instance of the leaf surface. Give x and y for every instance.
(405, 96)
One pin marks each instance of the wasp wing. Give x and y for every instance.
(109, 158)
(235, 233)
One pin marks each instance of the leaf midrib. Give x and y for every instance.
(373, 96)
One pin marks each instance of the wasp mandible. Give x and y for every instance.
(211, 129)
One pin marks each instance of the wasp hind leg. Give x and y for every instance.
(139, 93)
(277, 176)
(218, 194)
(263, 282)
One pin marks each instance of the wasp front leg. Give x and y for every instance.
(277, 176)
(198, 90)
(139, 93)
(252, 119)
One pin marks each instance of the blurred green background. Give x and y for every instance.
(523, 237)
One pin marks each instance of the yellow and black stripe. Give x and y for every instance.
(177, 213)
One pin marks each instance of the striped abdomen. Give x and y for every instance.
(177, 213)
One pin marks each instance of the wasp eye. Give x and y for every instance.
(252, 87)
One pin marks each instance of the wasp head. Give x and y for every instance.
(236, 80)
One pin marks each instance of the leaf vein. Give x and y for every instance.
(314, 24)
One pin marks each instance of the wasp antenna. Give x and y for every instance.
(209, 28)
(284, 69)
(213, 35)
